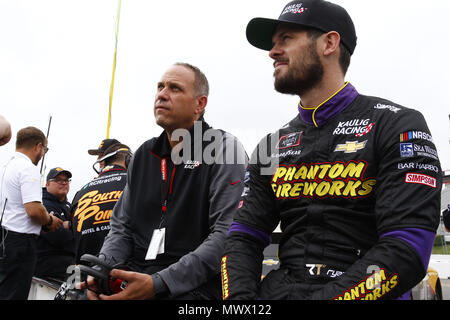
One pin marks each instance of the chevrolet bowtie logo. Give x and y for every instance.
(270, 262)
(350, 146)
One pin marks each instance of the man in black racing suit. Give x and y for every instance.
(357, 185)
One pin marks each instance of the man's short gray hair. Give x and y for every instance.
(201, 85)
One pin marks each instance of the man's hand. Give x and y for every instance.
(139, 287)
(91, 288)
(56, 223)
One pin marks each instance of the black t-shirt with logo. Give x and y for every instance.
(92, 208)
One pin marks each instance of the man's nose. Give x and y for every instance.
(276, 51)
(162, 94)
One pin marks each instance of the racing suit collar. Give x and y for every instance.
(319, 115)
(110, 168)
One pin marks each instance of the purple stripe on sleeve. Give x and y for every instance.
(419, 239)
(260, 235)
(405, 296)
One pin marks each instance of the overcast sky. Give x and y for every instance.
(56, 60)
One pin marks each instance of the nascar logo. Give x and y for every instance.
(415, 135)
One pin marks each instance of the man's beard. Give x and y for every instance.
(304, 78)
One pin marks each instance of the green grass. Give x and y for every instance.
(439, 246)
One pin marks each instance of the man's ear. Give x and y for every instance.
(201, 104)
(331, 41)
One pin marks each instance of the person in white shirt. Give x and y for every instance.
(22, 214)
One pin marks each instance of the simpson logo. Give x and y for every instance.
(289, 140)
(373, 287)
(350, 146)
(420, 179)
(415, 135)
(224, 276)
(386, 106)
(294, 9)
(321, 180)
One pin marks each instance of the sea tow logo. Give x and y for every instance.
(373, 287)
(426, 151)
(88, 207)
(415, 135)
(409, 149)
(350, 146)
(357, 127)
(406, 150)
(294, 9)
(418, 178)
(224, 276)
(320, 180)
(386, 106)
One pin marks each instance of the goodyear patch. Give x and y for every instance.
(320, 180)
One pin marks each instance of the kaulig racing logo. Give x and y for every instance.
(358, 127)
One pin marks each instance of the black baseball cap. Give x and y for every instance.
(53, 173)
(105, 144)
(318, 14)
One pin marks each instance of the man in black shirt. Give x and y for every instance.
(56, 249)
(171, 221)
(93, 204)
